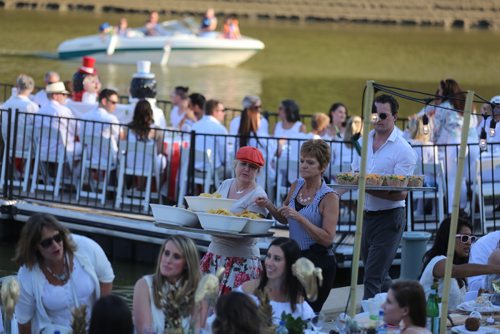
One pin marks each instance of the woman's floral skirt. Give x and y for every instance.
(237, 270)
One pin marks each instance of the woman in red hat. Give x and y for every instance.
(239, 257)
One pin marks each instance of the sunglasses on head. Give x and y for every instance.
(46, 243)
(464, 238)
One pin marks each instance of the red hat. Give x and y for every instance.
(250, 154)
(88, 65)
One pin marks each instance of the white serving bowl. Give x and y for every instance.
(203, 204)
(174, 215)
(257, 226)
(210, 221)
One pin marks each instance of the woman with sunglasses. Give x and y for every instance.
(59, 271)
(435, 262)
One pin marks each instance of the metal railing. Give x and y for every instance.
(103, 162)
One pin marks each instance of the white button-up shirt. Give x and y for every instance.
(24, 122)
(395, 156)
(210, 125)
(66, 126)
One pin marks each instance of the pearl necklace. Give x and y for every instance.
(60, 277)
(306, 199)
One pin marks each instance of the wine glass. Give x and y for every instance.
(341, 322)
(317, 322)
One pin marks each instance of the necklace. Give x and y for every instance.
(305, 199)
(60, 277)
(241, 191)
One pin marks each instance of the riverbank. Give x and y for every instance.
(464, 14)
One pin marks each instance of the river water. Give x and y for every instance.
(313, 63)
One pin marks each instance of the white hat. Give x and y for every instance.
(56, 87)
(144, 70)
(495, 100)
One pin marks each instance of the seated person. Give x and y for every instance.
(231, 28)
(152, 26)
(283, 288)
(122, 28)
(241, 319)
(480, 253)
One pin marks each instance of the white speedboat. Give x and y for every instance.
(178, 45)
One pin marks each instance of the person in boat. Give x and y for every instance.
(209, 21)
(58, 272)
(153, 26)
(285, 292)
(122, 28)
(239, 257)
(231, 28)
(311, 211)
(178, 266)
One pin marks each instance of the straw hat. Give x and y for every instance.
(56, 88)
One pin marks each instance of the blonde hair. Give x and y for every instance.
(190, 274)
(416, 130)
(319, 122)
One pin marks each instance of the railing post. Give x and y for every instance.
(192, 154)
(12, 162)
(7, 154)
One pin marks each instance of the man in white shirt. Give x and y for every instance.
(384, 216)
(25, 106)
(250, 104)
(40, 97)
(61, 120)
(479, 253)
(211, 125)
(102, 123)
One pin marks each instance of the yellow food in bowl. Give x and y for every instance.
(214, 195)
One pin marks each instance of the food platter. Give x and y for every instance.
(386, 188)
(213, 232)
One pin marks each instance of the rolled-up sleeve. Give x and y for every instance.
(96, 255)
(25, 307)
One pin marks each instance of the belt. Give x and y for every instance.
(379, 212)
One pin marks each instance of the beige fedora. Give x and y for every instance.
(56, 88)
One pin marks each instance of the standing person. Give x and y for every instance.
(384, 217)
(153, 26)
(59, 271)
(122, 28)
(177, 266)
(285, 292)
(239, 257)
(209, 21)
(40, 97)
(405, 307)
(311, 210)
(435, 262)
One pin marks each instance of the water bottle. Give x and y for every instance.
(381, 327)
(432, 309)
(282, 328)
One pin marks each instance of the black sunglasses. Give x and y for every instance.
(464, 238)
(382, 116)
(113, 102)
(46, 243)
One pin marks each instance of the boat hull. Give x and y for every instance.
(177, 50)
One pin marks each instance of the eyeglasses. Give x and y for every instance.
(112, 102)
(382, 116)
(257, 107)
(46, 243)
(464, 238)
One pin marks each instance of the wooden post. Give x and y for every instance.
(367, 110)
(454, 213)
